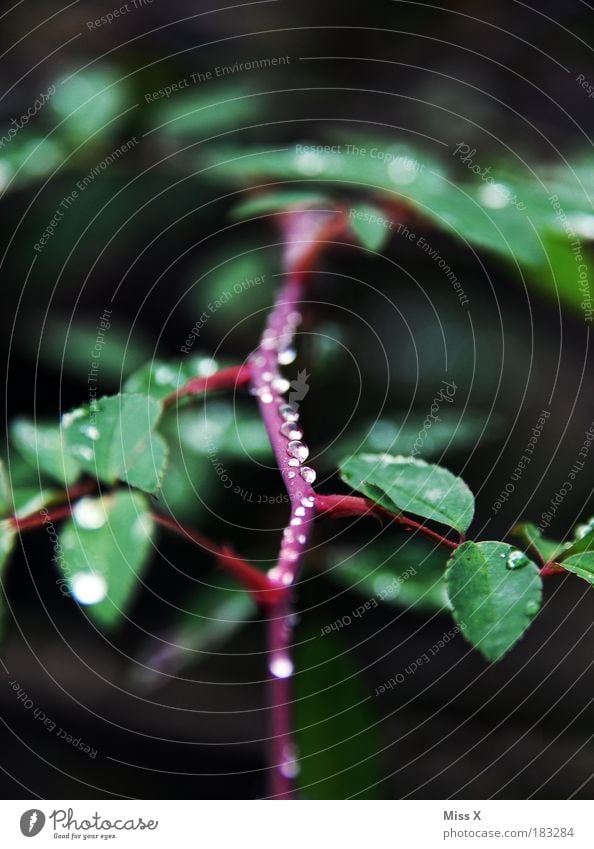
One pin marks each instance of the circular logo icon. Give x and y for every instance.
(32, 822)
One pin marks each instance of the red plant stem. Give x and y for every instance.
(306, 232)
(263, 589)
(344, 506)
(232, 377)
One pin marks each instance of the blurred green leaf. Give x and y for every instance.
(337, 740)
(193, 115)
(113, 439)
(160, 378)
(280, 201)
(94, 354)
(5, 494)
(495, 592)
(583, 541)
(371, 226)
(408, 576)
(29, 500)
(218, 428)
(88, 100)
(414, 435)
(212, 616)
(106, 548)
(43, 447)
(7, 539)
(546, 549)
(406, 483)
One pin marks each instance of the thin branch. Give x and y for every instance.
(306, 232)
(262, 588)
(233, 377)
(344, 506)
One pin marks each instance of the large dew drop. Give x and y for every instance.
(298, 450)
(89, 514)
(281, 666)
(88, 588)
(291, 430)
(516, 560)
(287, 356)
(280, 385)
(308, 474)
(288, 413)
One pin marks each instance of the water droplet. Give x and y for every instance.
(300, 511)
(89, 513)
(301, 539)
(583, 225)
(287, 356)
(164, 375)
(494, 195)
(291, 474)
(532, 608)
(298, 449)
(267, 376)
(88, 588)
(207, 366)
(280, 385)
(83, 451)
(68, 418)
(289, 768)
(260, 360)
(581, 531)
(266, 397)
(293, 462)
(403, 170)
(296, 521)
(308, 501)
(291, 430)
(310, 163)
(273, 574)
(516, 560)
(281, 666)
(292, 555)
(308, 474)
(288, 412)
(268, 343)
(91, 431)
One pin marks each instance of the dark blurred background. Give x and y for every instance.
(151, 237)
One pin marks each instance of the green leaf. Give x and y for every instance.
(42, 445)
(546, 549)
(212, 616)
(409, 484)
(581, 565)
(5, 494)
(160, 378)
(194, 115)
(583, 541)
(410, 576)
(89, 100)
(371, 225)
(336, 730)
(280, 201)
(105, 549)
(113, 439)
(7, 540)
(495, 592)
(220, 428)
(29, 500)
(416, 435)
